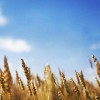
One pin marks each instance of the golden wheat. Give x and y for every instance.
(48, 88)
(97, 65)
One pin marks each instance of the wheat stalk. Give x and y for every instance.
(77, 77)
(7, 78)
(98, 82)
(60, 94)
(19, 81)
(97, 64)
(75, 87)
(64, 82)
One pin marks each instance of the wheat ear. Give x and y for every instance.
(97, 65)
(19, 81)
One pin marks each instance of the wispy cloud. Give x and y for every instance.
(14, 45)
(95, 46)
(3, 19)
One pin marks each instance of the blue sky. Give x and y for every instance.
(63, 33)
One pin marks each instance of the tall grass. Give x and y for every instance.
(49, 88)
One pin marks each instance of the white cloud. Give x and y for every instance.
(95, 46)
(3, 19)
(14, 45)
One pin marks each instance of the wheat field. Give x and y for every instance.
(48, 88)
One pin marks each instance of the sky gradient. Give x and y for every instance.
(63, 33)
